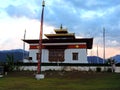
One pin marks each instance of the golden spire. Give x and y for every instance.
(43, 3)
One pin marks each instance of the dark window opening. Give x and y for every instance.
(37, 56)
(75, 56)
(30, 58)
(56, 55)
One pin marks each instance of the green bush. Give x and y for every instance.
(98, 69)
(109, 70)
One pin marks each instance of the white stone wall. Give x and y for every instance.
(32, 53)
(68, 68)
(82, 55)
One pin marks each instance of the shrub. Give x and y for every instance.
(98, 69)
(109, 70)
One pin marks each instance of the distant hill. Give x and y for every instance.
(17, 53)
(117, 58)
(94, 59)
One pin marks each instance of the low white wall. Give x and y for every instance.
(68, 68)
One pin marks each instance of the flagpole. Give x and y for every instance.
(40, 40)
(103, 45)
(24, 39)
(97, 56)
(24, 43)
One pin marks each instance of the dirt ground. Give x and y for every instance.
(58, 74)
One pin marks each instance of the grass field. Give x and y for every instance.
(61, 81)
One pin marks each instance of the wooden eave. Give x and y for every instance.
(88, 41)
(68, 35)
(61, 31)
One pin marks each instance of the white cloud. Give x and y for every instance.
(12, 31)
(90, 15)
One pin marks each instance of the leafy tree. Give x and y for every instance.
(10, 62)
(110, 61)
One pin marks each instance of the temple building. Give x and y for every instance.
(62, 47)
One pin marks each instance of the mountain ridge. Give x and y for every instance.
(17, 54)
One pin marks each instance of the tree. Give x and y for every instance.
(112, 62)
(10, 62)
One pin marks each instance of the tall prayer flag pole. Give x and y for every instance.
(97, 55)
(103, 45)
(40, 40)
(24, 43)
(24, 39)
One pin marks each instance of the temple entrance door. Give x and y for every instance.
(56, 55)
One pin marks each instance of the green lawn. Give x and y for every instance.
(79, 81)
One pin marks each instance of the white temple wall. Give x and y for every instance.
(33, 52)
(82, 56)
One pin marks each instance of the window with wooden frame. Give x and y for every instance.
(56, 55)
(30, 58)
(75, 56)
(37, 56)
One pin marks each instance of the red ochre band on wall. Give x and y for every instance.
(36, 46)
(69, 46)
(77, 46)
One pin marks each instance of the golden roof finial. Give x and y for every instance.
(43, 3)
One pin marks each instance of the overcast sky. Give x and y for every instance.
(85, 18)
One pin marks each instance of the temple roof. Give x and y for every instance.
(88, 41)
(60, 31)
(60, 34)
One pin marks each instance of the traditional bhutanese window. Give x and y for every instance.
(75, 56)
(56, 55)
(30, 58)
